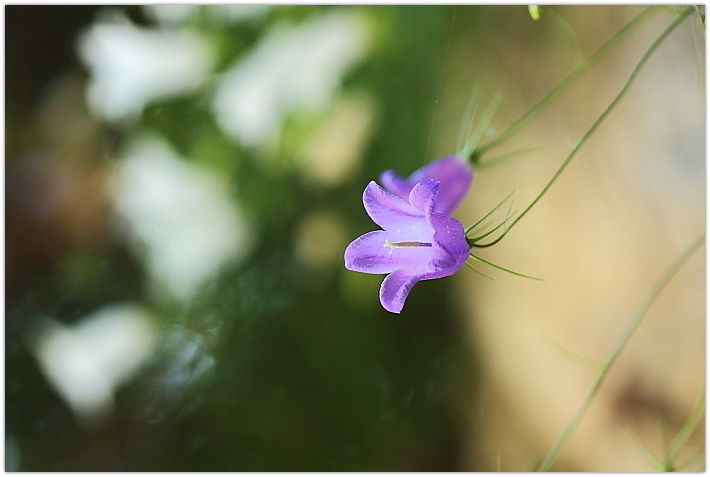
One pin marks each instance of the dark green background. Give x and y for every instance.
(303, 380)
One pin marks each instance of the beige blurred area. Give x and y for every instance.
(629, 203)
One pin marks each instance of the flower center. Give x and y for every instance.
(405, 244)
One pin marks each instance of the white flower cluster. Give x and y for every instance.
(181, 221)
(87, 362)
(180, 217)
(132, 66)
(293, 67)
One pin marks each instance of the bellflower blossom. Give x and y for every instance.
(453, 172)
(416, 242)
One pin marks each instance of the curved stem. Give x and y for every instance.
(597, 123)
(468, 229)
(485, 122)
(688, 427)
(593, 59)
(503, 268)
(618, 347)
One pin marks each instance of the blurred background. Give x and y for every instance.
(181, 182)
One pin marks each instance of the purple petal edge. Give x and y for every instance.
(453, 172)
(386, 209)
(395, 288)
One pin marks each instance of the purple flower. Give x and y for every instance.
(454, 174)
(416, 243)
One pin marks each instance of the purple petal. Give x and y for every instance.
(451, 249)
(395, 184)
(395, 288)
(370, 254)
(454, 174)
(443, 262)
(395, 214)
(423, 195)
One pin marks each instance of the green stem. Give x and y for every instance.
(474, 100)
(593, 59)
(488, 214)
(478, 271)
(482, 127)
(472, 241)
(569, 31)
(505, 158)
(688, 427)
(502, 268)
(597, 123)
(700, 16)
(618, 347)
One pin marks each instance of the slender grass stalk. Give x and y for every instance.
(634, 73)
(505, 158)
(648, 454)
(691, 463)
(504, 224)
(667, 464)
(618, 347)
(593, 59)
(497, 463)
(581, 360)
(700, 16)
(486, 234)
(474, 99)
(468, 229)
(491, 264)
(687, 429)
(479, 272)
(698, 49)
(569, 32)
(483, 125)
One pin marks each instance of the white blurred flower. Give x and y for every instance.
(87, 362)
(292, 67)
(170, 14)
(131, 66)
(180, 216)
(218, 14)
(223, 13)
